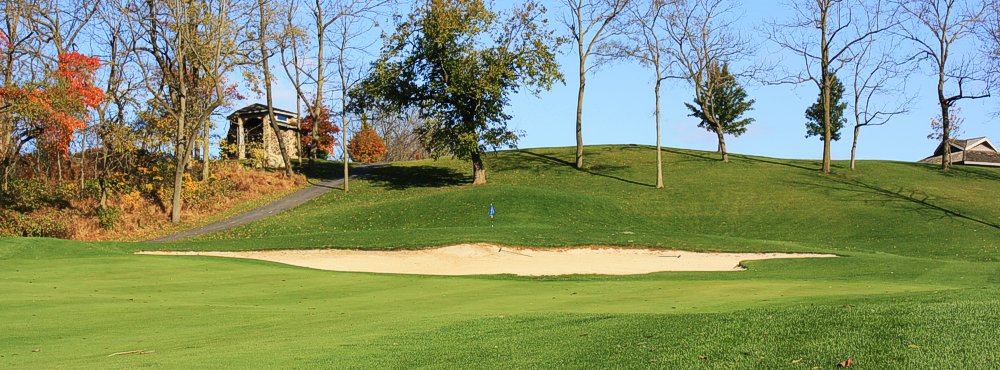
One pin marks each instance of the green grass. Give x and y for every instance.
(917, 286)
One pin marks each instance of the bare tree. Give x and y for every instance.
(19, 62)
(267, 16)
(185, 49)
(310, 75)
(841, 26)
(934, 27)
(877, 90)
(349, 50)
(647, 41)
(399, 133)
(591, 24)
(289, 44)
(120, 90)
(704, 37)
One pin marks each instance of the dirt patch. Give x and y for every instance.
(489, 259)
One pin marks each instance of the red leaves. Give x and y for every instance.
(327, 132)
(366, 146)
(58, 109)
(4, 41)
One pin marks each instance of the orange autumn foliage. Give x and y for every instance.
(366, 146)
(58, 109)
(326, 129)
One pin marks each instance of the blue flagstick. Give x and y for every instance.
(492, 212)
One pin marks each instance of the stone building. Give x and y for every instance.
(978, 151)
(249, 130)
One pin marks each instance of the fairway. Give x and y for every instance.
(915, 284)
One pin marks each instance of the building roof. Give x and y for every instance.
(257, 108)
(966, 144)
(962, 153)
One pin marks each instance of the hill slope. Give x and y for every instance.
(751, 203)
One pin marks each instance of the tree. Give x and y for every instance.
(723, 113)
(842, 26)
(310, 75)
(459, 62)
(704, 42)
(937, 126)
(19, 67)
(646, 43)
(350, 28)
(49, 113)
(877, 95)
(264, 37)
(818, 122)
(399, 132)
(327, 133)
(935, 27)
(591, 25)
(366, 146)
(185, 49)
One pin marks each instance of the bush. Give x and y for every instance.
(366, 146)
(31, 195)
(108, 217)
(17, 224)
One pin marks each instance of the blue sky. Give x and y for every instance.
(619, 107)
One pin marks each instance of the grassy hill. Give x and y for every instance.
(917, 286)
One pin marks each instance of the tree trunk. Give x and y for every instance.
(343, 147)
(825, 90)
(205, 158)
(945, 138)
(264, 62)
(945, 124)
(83, 159)
(659, 152)
(181, 153)
(579, 115)
(854, 146)
(343, 116)
(722, 143)
(478, 170)
(176, 199)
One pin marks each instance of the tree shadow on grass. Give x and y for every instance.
(596, 170)
(979, 173)
(817, 168)
(320, 170)
(697, 157)
(402, 178)
(925, 202)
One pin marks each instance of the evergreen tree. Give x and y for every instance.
(814, 114)
(721, 105)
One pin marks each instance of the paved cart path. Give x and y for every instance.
(277, 206)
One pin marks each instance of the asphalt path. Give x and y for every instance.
(317, 188)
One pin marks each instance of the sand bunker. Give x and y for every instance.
(488, 259)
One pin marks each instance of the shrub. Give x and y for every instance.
(30, 195)
(34, 225)
(366, 146)
(108, 217)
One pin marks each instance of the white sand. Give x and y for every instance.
(489, 259)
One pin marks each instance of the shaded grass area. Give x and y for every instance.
(916, 286)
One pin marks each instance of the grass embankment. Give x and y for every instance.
(917, 288)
